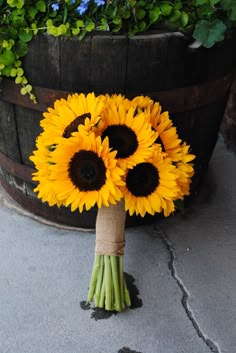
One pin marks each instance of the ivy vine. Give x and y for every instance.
(207, 21)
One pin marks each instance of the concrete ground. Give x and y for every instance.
(181, 273)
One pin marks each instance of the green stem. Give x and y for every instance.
(121, 278)
(94, 276)
(107, 287)
(115, 280)
(99, 281)
(108, 279)
(126, 295)
(102, 295)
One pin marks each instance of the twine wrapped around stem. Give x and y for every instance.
(107, 286)
(110, 230)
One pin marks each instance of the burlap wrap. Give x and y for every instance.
(110, 230)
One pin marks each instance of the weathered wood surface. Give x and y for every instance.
(228, 127)
(181, 99)
(150, 64)
(9, 131)
(16, 169)
(42, 63)
(28, 129)
(45, 73)
(75, 64)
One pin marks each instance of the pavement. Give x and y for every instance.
(181, 273)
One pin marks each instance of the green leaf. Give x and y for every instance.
(18, 80)
(154, 15)
(142, 26)
(32, 11)
(25, 35)
(41, 6)
(132, 3)
(79, 24)
(7, 58)
(116, 28)
(75, 31)
(117, 21)
(178, 4)
(65, 14)
(184, 19)
(24, 80)
(208, 33)
(140, 14)
(201, 2)
(6, 71)
(19, 71)
(233, 14)
(12, 33)
(21, 49)
(166, 9)
(103, 25)
(227, 4)
(82, 35)
(90, 26)
(13, 72)
(214, 2)
(176, 15)
(23, 91)
(126, 14)
(141, 3)
(16, 3)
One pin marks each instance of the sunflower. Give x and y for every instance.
(78, 112)
(185, 170)
(151, 186)
(177, 151)
(117, 100)
(41, 159)
(143, 102)
(130, 134)
(160, 121)
(85, 172)
(168, 137)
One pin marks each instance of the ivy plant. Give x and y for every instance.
(207, 21)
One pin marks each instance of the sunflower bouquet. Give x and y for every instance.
(121, 155)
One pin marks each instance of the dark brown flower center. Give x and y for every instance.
(122, 139)
(87, 171)
(142, 180)
(73, 127)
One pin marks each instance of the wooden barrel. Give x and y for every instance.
(192, 84)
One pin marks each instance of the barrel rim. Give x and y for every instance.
(177, 100)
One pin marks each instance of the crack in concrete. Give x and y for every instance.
(171, 265)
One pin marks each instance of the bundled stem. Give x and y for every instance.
(107, 285)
